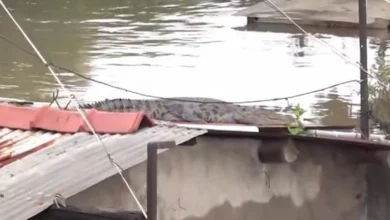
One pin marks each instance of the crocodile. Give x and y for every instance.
(195, 110)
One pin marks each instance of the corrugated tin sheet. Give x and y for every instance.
(70, 165)
(58, 120)
(15, 144)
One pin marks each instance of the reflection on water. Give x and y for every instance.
(334, 109)
(177, 48)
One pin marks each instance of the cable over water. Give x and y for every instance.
(50, 63)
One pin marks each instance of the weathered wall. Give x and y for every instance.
(219, 179)
(378, 192)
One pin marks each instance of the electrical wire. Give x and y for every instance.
(79, 109)
(177, 99)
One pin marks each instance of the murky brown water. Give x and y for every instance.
(177, 48)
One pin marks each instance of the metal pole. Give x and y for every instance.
(151, 176)
(364, 114)
(151, 179)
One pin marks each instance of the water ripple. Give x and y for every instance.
(175, 47)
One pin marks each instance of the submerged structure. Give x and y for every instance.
(327, 13)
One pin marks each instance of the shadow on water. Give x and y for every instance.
(178, 48)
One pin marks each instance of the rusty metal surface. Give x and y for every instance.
(71, 164)
(15, 144)
(58, 120)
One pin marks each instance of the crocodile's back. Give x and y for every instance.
(202, 110)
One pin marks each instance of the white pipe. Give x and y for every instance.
(348, 135)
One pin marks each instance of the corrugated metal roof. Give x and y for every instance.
(70, 164)
(15, 144)
(58, 120)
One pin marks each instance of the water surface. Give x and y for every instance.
(178, 48)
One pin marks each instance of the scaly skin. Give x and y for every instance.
(169, 110)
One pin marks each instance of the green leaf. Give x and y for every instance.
(294, 131)
(296, 127)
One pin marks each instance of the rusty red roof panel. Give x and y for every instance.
(112, 122)
(16, 117)
(57, 120)
(51, 119)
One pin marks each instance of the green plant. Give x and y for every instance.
(383, 74)
(379, 95)
(296, 127)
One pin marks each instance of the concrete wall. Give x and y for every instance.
(222, 179)
(378, 193)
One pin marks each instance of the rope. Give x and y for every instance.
(81, 111)
(334, 50)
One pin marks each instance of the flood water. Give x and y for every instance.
(178, 48)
